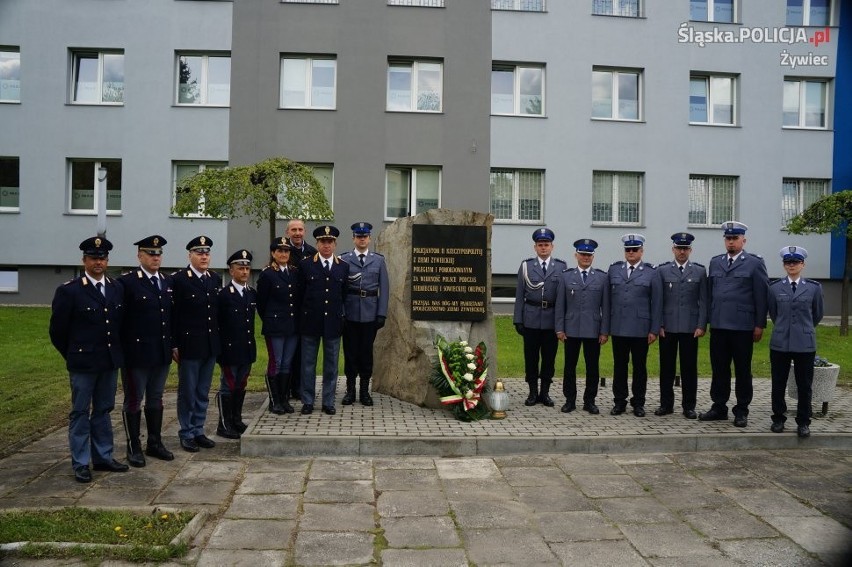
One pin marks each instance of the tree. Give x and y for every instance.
(265, 191)
(831, 213)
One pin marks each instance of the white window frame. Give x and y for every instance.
(98, 163)
(203, 81)
(329, 191)
(710, 197)
(516, 196)
(711, 12)
(8, 53)
(806, 14)
(802, 121)
(201, 165)
(415, 65)
(708, 81)
(614, 216)
(412, 188)
(787, 211)
(309, 80)
(519, 5)
(17, 209)
(417, 3)
(516, 70)
(614, 73)
(78, 54)
(620, 8)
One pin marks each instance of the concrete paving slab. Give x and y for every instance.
(491, 514)
(208, 470)
(643, 510)
(656, 475)
(236, 534)
(407, 479)
(338, 517)
(189, 493)
(731, 478)
(118, 496)
(667, 540)
(270, 506)
(469, 490)
(523, 461)
(241, 558)
(768, 502)
(406, 463)
(419, 532)
(608, 485)
(508, 546)
(289, 482)
(588, 464)
(821, 535)
(341, 470)
(319, 491)
(553, 498)
(650, 459)
(709, 460)
(576, 526)
(774, 551)
(535, 476)
(278, 464)
(402, 503)
(727, 523)
(469, 468)
(698, 495)
(424, 558)
(332, 548)
(617, 553)
(35, 460)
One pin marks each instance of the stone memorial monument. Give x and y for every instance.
(440, 274)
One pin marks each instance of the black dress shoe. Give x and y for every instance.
(82, 474)
(366, 399)
(545, 400)
(618, 410)
(159, 451)
(348, 398)
(204, 442)
(111, 466)
(531, 400)
(189, 445)
(803, 431)
(662, 410)
(740, 421)
(639, 411)
(307, 409)
(712, 415)
(690, 414)
(777, 427)
(592, 409)
(329, 410)
(568, 407)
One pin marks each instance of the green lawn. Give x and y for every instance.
(35, 396)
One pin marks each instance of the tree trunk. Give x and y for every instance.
(272, 220)
(844, 290)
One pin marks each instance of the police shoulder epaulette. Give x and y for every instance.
(572, 269)
(663, 264)
(812, 281)
(560, 260)
(649, 265)
(616, 263)
(697, 264)
(777, 281)
(377, 254)
(72, 281)
(719, 256)
(530, 259)
(268, 267)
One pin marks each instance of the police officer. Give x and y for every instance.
(85, 327)
(636, 311)
(323, 283)
(278, 302)
(795, 307)
(535, 316)
(147, 341)
(366, 309)
(237, 304)
(195, 327)
(582, 320)
(738, 288)
(684, 321)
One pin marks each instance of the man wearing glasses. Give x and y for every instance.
(738, 288)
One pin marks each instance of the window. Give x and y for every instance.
(308, 82)
(204, 80)
(84, 185)
(616, 8)
(309, 1)
(808, 12)
(517, 194)
(185, 170)
(711, 99)
(415, 86)
(324, 173)
(799, 194)
(10, 184)
(10, 75)
(616, 197)
(420, 3)
(615, 94)
(406, 185)
(8, 280)
(520, 5)
(712, 200)
(97, 77)
(805, 103)
(711, 10)
(517, 89)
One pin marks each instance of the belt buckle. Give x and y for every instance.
(362, 292)
(544, 305)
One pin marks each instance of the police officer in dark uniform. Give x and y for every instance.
(237, 304)
(85, 327)
(636, 311)
(738, 288)
(147, 342)
(684, 321)
(796, 308)
(299, 250)
(323, 282)
(195, 327)
(582, 321)
(535, 316)
(366, 309)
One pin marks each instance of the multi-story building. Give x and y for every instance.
(593, 117)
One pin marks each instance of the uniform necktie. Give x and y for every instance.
(327, 266)
(100, 287)
(361, 259)
(680, 268)
(730, 261)
(793, 285)
(629, 272)
(584, 274)
(156, 282)
(544, 267)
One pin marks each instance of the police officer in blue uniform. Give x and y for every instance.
(366, 309)
(195, 327)
(535, 316)
(684, 322)
(147, 342)
(738, 288)
(795, 307)
(582, 320)
(636, 311)
(237, 305)
(323, 282)
(85, 327)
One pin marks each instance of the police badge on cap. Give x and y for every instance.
(793, 254)
(96, 247)
(585, 246)
(240, 258)
(633, 241)
(361, 228)
(682, 240)
(544, 235)
(326, 232)
(282, 243)
(200, 244)
(152, 245)
(733, 228)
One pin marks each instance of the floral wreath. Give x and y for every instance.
(459, 377)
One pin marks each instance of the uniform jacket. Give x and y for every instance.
(85, 326)
(195, 317)
(146, 334)
(535, 294)
(299, 254)
(795, 315)
(684, 297)
(323, 295)
(368, 287)
(236, 325)
(582, 310)
(279, 300)
(636, 304)
(738, 294)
